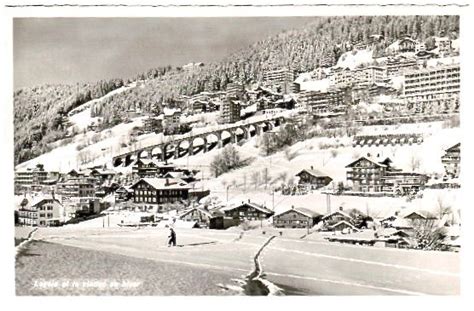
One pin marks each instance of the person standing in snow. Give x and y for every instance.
(172, 238)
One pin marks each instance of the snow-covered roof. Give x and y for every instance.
(313, 172)
(421, 214)
(343, 222)
(368, 159)
(301, 210)
(164, 183)
(39, 199)
(170, 111)
(251, 204)
(342, 213)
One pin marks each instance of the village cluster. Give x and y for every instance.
(410, 84)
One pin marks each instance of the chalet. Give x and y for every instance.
(203, 217)
(151, 168)
(401, 183)
(296, 218)
(313, 178)
(43, 211)
(421, 215)
(102, 174)
(337, 216)
(185, 175)
(407, 44)
(152, 193)
(123, 193)
(452, 161)
(342, 226)
(366, 175)
(395, 221)
(247, 211)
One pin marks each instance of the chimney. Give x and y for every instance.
(341, 208)
(311, 167)
(397, 213)
(292, 207)
(249, 200)
(167, 182)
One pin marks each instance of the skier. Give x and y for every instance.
(172, 238)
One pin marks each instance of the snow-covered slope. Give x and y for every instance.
(353, 59)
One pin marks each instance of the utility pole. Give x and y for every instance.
(273, 199)
(328, 203)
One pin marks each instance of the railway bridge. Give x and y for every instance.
(177, 146)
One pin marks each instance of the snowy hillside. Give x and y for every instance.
(353, 59)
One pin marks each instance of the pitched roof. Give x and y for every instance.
(251, 204)
(304, 211)
(39, 199)
(313, 172)
(164, 183)
(370, 160)
(341, 223)
(422, 214)
(337, 212)
(209, 213)
(454, 148)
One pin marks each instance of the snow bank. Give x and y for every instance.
(353, 59)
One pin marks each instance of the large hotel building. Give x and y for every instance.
(432, 85)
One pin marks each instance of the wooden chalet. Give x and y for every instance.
(247, 211)
(296, 218)
(313, 178)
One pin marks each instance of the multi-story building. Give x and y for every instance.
(151, 168)
(229, 111)
(399, 65)
(366, 175)
(341, 77)
(401, 183)
(152, 193)
(29, 177)
(43, 211)
(76, 188)
(369, 75)
(432, 86)
(153, 124)
(443, 44)
(281, 81)
(322, 102)
(235, 90)
(171, 120)
(452, 161)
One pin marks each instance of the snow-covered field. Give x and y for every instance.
(217, 262)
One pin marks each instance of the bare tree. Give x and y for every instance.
(255, 177)
(414, 163)
(265, 176)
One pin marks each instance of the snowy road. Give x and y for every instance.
(297, 266)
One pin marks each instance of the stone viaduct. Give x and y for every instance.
(190, 144)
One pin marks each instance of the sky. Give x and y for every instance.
(70, 50)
